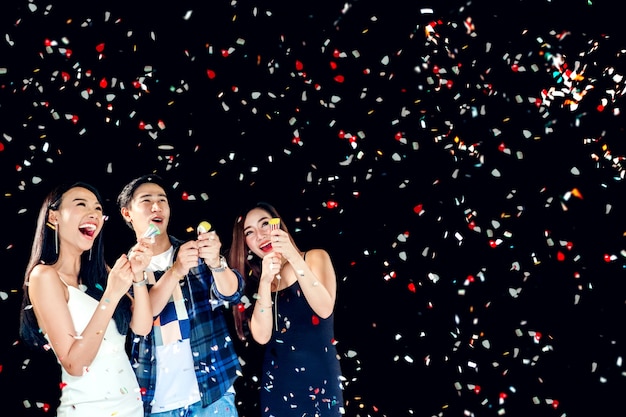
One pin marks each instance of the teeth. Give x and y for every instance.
(88, 226)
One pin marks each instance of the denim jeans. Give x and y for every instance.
(224, 407)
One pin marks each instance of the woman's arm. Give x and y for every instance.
(49, 298)
(317, 279)
(140, 256)
(261, 321)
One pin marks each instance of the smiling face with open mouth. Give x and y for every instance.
(149, 205)
(256, 231)
(79, 218)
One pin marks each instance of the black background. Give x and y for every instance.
(386, 168)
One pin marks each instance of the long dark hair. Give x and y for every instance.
(93, 272)
(247, 263)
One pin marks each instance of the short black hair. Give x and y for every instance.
(126, 195)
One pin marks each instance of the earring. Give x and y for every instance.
(56, 238)
(55, 227)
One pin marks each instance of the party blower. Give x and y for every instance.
(274, 223)
(204, 227)
(152, 231)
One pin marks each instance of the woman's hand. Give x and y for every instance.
(140, 255)
(281, 243)
(270, 267)
(120, 278)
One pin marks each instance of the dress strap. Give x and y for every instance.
(62, 280)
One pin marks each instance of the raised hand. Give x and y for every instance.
(209, 246)
(187, 257)
(282, 244)
(120, 278)
(141, 254)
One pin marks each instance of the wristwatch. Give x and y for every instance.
(222, 267)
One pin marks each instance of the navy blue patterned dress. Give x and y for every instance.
(301, 371)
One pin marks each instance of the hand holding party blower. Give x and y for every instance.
(203, 227)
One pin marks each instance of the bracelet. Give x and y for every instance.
(143, 282)
(264, 307)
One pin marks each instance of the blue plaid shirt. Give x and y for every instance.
(215, 360)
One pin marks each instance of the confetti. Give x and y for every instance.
(463, 165)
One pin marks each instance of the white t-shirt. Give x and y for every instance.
(176, 382)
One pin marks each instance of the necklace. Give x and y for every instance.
(278, 279)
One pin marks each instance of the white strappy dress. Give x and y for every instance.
(108, 387)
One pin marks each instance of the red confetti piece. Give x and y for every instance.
(210, 73)
(100, 47)
(412, 287)
(185, 196)
(332, 204)
(104, 83)
(315, 320)
(609, 258)
(299, 65)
